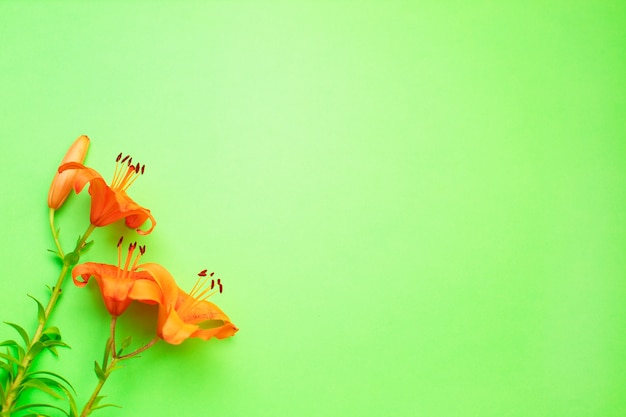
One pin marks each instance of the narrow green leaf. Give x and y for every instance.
(8, 368)
(126, 342)
(86, 247)
(33, 374)
(41, 311)
(9, 358)
(9, 343)
(99, 372)
(24, 407)
(105, 405)
(107, 353)
(35, 349)
(19, 350)
(41, 385)
(2, 395)
(52, 333)
(21, 331)
(53, 349)
(49, 343)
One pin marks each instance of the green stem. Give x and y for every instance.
(101, 380)
(13, 390)
(55, 235)
(109, 367)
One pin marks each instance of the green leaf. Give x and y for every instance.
(19, 350)
(33, 374)
(105, 405)
(24, 407)
(107, 353)
(21, 331)
(35, 349)
(99, 372)
(52, 343)
(2, 395)
(9, 343)
(40, 385)
(41, 311)
(126, 342)
(10, 358)
(96, 404)
(86, 247)
(8, 368)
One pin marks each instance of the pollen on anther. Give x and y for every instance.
(125, 158)
(212, 283)
(118, 157)
(142, 249)
(119, 242)
(212, 273)
(143, 167)
(202, 273)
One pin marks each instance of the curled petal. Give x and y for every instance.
(114, 287)
(181, 315)
(108, 205)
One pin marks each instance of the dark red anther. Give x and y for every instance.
(125, 158)
(212, 283)
(202, 273)
(220, 286)
(119, 157)
(130, 162)
(132, 246)
(212, 273)
(137, 167)
(143, 168)
(142, 249)
(119, 242)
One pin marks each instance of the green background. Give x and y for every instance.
(417, 208)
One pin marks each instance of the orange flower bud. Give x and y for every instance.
(63, 181)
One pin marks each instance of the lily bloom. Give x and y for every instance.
(110, 203)
(181, 315)
(115, 282)
(62, 181)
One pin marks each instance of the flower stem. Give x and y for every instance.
(55, 235)
(13, 390)
(101, 380)
(110, 366)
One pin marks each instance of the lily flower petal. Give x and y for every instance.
(63, 181)
(111, 203)
(181, 315)
(115, 282)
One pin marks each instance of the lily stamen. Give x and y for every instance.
(123, 179)
(142, 250)
(125, 271)
(118, 167)
(119, 252)
(137, 174)
(198, 295)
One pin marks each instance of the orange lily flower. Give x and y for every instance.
(111, 203)
(181, 315)
(63, 181)
(115, 282)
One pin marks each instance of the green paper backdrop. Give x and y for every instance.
(416, 208)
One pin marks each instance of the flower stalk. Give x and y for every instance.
(13, 390)
(110, 363)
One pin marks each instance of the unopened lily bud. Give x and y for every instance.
(62, 182)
